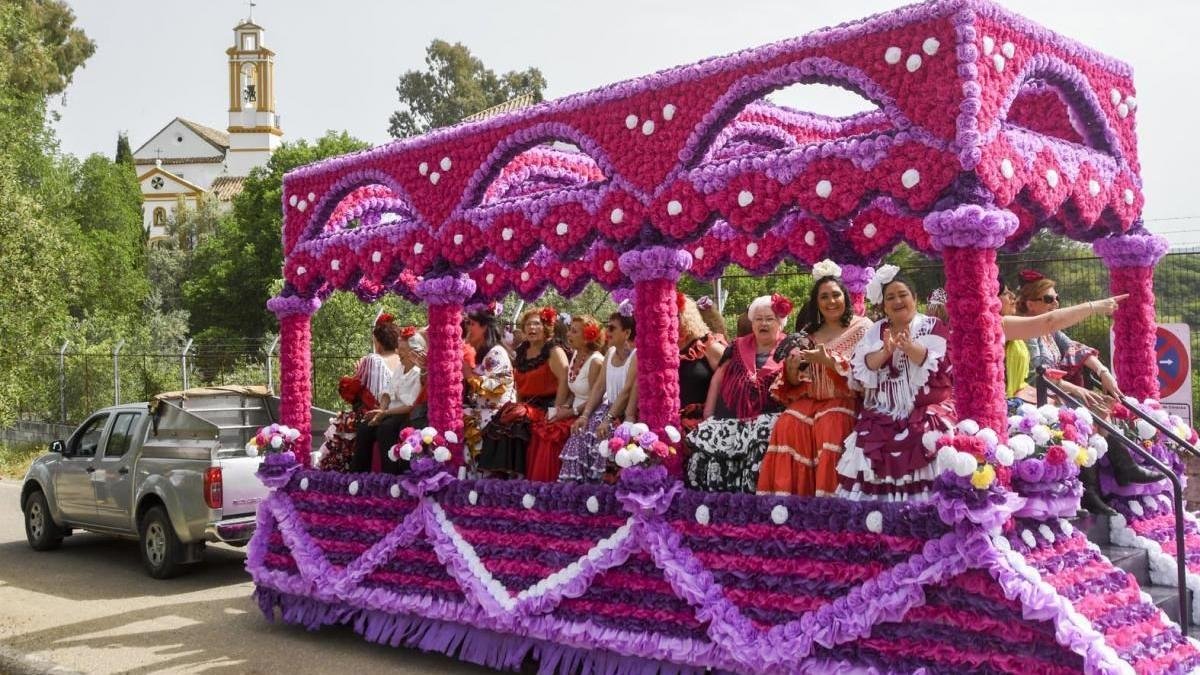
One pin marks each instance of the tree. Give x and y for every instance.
(42, 48)
(455, 84)
(124, 154)
(107, 210)
(231, 272)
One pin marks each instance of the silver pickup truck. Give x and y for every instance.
(172, 473)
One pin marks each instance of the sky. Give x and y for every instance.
(337, 63)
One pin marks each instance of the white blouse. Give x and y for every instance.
(614, 376)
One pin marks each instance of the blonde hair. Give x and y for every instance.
(691, 324)
(713, 319)
(589, 320)
(1032, 291)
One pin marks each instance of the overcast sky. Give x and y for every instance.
(337, 63)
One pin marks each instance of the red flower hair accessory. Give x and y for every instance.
(591, 332)
(680, 301)
(780, 305)
(384, 318)
(408, 331)
(1030, 276)
(548, 316)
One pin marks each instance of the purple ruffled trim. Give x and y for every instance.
(290, 305)
(970, 226)
(656, 262)
(957, 501)
(277, 468)
(856, 277)
(446, 290)
(1131, 250)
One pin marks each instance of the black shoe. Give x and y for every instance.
(1092, 501)
(1126, 471)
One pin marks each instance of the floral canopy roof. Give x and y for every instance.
(973, 104)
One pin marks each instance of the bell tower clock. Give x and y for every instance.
(254, 128)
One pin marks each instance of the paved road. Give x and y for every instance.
(89, 607)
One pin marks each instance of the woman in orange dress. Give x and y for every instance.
(806, 442)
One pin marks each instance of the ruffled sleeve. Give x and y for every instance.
(934, 339)
(863, 377)
(1075, 354)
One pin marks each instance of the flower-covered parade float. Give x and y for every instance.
(989, 128)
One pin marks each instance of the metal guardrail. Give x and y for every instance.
(1044, 386)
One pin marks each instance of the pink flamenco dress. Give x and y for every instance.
(885, 458)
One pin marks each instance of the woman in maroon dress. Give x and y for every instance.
(902, 368)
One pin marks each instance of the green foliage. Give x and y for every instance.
(788, 279)
(231, 271)
(124, 153)
(42, 47)
(455, 84)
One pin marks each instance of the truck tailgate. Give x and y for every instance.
(242, 489)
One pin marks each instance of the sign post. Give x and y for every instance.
(1173, 354)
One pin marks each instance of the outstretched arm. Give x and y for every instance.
(1027, 327)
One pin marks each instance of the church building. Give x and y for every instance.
(187, 162)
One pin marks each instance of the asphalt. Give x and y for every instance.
(88, 607)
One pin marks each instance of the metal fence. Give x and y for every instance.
(76, 382)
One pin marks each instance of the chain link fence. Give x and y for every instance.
(76, 382)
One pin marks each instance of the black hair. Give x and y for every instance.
(388, 335)
(809, 319)
(491, 329)
(901, 278)
(626, 322)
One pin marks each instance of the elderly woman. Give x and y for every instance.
(586, 340)
(739, 413)
(902, 368)
(806, 442)
(540, 372)
(607, 402)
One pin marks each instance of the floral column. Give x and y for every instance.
(295, 365)
(654, 272)
(1131, 259)
(444, 297)
(856, 278)
(968, 237)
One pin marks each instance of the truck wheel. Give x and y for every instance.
(161, 549)
(40, 529)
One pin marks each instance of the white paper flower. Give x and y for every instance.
(1161, 416)
(1136, 508)
(883, 276)
(593, 504)
(702, 514)
(1084, 414)
(672, 433)
(353, 487)
(1028, 538)
(929, 439)
(623, 459)
(304, 483)
(394, 491)
(604, 450)
(875, 522)
(528, 501)
(1004, 455)
(251, 449)
(945, 456)
(964, 464)
(1021, 445)
(441, 453)
(1091, 456)
(826, 268)
(451, 437)
(292, 434)
(639, 429)
(473, 497)
(1046, 532)
(779, 514)
(1027, 409)
(405, 452)
(1040, 434)
(989, 436)
(969, 427)
(637, 454)
(1048, 413)
(1145, 430)
(276, 442)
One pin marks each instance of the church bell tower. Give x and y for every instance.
(253, 122)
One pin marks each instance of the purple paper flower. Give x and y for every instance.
(970, 226)
(656, 262)
(291, 305)
(446, 290)
(1136, 249)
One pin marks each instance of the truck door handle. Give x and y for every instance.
(90, 469)
(123, 470)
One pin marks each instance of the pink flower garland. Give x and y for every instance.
(445, 297)
(1130, 259)
(295, 378)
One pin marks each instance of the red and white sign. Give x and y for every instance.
(1173, 355)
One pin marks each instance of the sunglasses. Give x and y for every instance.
(1049, 299)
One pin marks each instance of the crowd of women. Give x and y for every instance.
(840, 405)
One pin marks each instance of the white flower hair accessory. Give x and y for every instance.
(826, 268)
(883, 276)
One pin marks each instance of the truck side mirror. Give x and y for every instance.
(59, 447)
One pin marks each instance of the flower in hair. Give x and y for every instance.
(1030, 276)
(384, 318)
(625, 308)
(937, 297)
(704, 302)
(883, 276)
(496, 307)
(680, 301)
(548, 316)
(826, 268)
(408, 331)
(780, 305)
(591, 332)
(565, 318)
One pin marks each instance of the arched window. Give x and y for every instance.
(160, 217)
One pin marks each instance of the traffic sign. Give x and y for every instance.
(1173, 355)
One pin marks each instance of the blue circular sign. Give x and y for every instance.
(1172, 358)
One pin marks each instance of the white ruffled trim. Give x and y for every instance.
(1163, 568)
(855, 465)
(897, 397)
(864, 377)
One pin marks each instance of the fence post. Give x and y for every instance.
(117, 372)
(183, 362)
(62, 380)
(271, 365)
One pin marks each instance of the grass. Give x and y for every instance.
(15, 459)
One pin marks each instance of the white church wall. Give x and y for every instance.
(176, 141)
